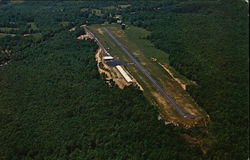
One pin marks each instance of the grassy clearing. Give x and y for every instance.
(138, 36)
(109, 44)
(143, 50)
(146, 53)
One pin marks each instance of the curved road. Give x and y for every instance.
(147, 74)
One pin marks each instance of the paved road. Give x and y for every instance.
(147, 74)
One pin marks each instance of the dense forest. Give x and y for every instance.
(54, 105)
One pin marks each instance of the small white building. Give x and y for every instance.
(124, 74)
(119, 21)
(72, 29)
(117, 16)
(83, 25)
(106, 58)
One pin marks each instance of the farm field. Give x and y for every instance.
(148, 56)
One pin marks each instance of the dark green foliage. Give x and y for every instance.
(55, 106)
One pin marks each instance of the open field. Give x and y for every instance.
(138, 36)
(144, 52)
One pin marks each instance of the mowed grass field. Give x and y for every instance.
(138, 36)
(133, 38)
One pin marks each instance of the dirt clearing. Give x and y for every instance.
(99, 30)
(183, 85)
(112, 74)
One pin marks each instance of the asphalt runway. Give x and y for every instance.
(147, 74)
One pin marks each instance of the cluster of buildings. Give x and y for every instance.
(119, 21)
(109, 60)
